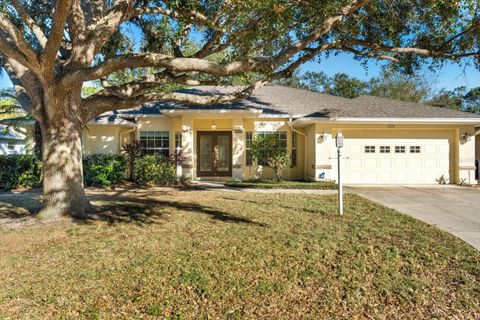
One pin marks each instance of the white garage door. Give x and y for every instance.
(396, 161)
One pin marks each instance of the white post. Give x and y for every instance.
(339, 144)
(340, 186)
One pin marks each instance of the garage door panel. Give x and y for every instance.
(415, 163)
(370, 163)
(422, 162)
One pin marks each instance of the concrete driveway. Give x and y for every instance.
(451, 208)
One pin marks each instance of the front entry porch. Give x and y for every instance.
(214, 154)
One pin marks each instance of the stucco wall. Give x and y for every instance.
(102, 139)
(461, 155)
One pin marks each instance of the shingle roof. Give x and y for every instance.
(278, 100)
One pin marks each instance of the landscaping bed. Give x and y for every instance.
(169, 254)
(271, 184)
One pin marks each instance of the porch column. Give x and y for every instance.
(466, 156)
(237, 149)
(187, 148)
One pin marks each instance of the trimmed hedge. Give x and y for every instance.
(155, 171)
(104, 170)
(19, 170)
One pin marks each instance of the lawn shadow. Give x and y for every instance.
(122, 209)
(19, 205)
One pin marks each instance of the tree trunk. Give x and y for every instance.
(63, 190)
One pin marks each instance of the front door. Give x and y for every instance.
(214, 153)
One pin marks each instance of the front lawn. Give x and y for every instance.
(201, 254)
(271, 184)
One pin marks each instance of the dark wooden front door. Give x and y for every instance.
(214, 153)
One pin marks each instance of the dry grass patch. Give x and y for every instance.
(200, 254)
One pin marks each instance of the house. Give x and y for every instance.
(12, 141)
(386, 141)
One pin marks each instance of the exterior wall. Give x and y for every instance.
(461, 159)
(316, 151)
(466, 155)
(101, 139)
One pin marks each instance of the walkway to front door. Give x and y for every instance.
(214, 153)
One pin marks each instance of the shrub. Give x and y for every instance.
(155, 170)
(19, 170)
(268, 149)
(132, 151)
(103, 170)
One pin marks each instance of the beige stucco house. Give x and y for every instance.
(386, 141)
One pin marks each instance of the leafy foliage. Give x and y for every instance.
(155, 170)
(458, 99)
(268, 149)
(103, 170)
(390, 83)
(132, 150)
(19, 171)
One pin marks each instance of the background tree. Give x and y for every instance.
(50, 49)
(391, 83)
(458, 99)
(400, 86)
(269, 150)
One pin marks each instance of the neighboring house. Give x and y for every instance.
(386, 141)
(12, 141)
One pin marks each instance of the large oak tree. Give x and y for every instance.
(51, 48)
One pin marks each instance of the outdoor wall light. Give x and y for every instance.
(214, 126)
(466, 137)
(323, 137)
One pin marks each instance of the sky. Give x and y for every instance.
(449, 77)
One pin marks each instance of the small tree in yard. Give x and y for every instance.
(132, 150)
(268, 149)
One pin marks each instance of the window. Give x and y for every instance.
(280, 135)
(414, 149)
(11, 145)
(384, 149)
(248, 143)
(399, 149)
(178, 142)
(155, 142)
(294, 149)
(369, 149)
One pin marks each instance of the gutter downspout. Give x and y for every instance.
(290, 125)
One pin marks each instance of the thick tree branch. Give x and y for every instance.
(376, 47)
(139, 86)
(96, 105)
(16, 36)
(37, 31)
(60, 15)
(26, 85)
(315, 35)
(165, 61)
(8, 48)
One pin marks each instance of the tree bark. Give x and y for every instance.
(63, 189)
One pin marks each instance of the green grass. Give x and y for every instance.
(201, 254)
(271, 184)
